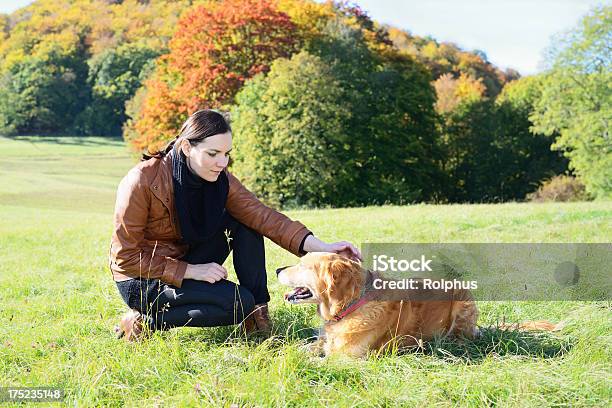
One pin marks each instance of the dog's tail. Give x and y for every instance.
(531, 325)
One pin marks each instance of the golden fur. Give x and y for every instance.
(334, 282)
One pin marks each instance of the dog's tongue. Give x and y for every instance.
(296, 293)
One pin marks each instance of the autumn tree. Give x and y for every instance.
(82, 33)
(447, 58)
(216, 47)
(309, 17)
(4, 26)
(312, 18)
(451, 92)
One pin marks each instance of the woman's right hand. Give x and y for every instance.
(208, 272)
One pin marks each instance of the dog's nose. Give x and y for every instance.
(279, 270)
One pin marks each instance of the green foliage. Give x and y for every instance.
(492, 155)
(114, 76)
(362, 102)
(115, 39)
(350, 127)
(400, 155)
(576, 100)
(43, 93)
(523, 93)
(289, 135)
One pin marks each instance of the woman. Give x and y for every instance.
(178, 215)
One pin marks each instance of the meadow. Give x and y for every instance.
(58, 305)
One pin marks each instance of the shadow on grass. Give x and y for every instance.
(289, 325)
(494, 342)
(72, 140)
(296, 324)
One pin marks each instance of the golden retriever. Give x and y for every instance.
(356, 323)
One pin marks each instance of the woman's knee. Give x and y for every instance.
(139, 294)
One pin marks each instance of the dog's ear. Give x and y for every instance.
(335, 271)
(342, 278)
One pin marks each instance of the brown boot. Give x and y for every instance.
(130, 327)
(258, 321)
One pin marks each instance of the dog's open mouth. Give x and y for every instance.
(299, 294)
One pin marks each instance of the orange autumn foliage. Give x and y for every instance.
(453, 91)
(216, 47)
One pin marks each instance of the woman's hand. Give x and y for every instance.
(344, 248)
(208, 272)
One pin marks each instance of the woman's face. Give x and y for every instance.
(208, 158)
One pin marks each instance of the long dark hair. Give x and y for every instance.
(200, 125)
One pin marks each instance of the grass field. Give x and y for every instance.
(58, 305)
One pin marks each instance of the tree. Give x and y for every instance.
(4, 27)
(400, 153)
(351, 125)
(309, 17)
(451, 92)
(216, 47)
(82, 33)
(576, 100)
(114, 76)
(394, 154)
(447, 58)
(289, 133)
(43, 93)
(492, 155)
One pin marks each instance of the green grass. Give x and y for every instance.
(58, 305)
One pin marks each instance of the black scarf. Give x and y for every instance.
(200, 204)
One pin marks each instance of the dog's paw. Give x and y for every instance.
(315, 348)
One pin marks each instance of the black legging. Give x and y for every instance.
(203, 304)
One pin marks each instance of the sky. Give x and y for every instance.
(513, 33)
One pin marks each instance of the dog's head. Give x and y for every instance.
(328, 279)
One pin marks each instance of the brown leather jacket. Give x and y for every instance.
(146, 235)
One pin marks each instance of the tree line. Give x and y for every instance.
(328, 107)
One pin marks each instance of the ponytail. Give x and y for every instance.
(160, 153)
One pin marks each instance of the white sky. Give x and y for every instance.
(8, 6)
(513, 33)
